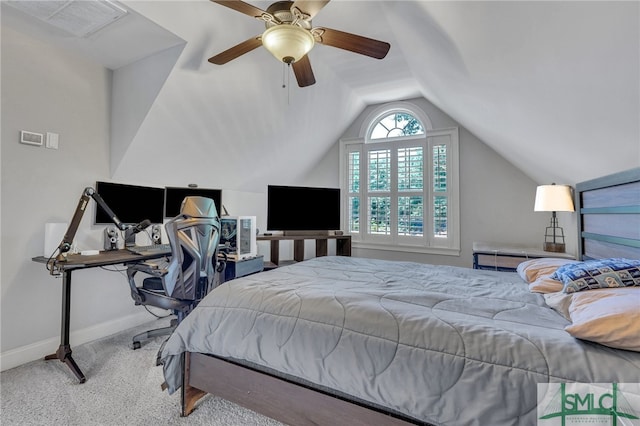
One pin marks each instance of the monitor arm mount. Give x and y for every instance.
(67, 240)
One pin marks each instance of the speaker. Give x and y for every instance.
(156, 234)
(111, 238)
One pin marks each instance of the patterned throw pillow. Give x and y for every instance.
(601, 273)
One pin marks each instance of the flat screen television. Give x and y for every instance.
(131, 203)
(296, 208)
(175, 195)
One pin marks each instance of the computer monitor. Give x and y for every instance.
(175, 195)
(131, 203)
(297, 208)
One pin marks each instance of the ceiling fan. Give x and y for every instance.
(289, 36)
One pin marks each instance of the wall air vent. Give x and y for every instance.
(78, 17)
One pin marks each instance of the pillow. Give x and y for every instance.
(532, 269)
(545, 284)
(610, 317)
(601, 273)
(559, 302)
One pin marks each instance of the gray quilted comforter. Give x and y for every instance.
(440, 344)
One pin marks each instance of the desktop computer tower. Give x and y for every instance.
(238, 235)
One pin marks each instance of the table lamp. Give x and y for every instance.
(554, 198)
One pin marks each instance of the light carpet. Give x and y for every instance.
(122, 388)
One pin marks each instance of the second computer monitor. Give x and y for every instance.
(175, 195)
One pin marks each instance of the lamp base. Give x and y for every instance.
(554, 247)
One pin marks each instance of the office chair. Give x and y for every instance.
(180, 282)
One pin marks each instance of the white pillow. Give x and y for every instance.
(608, 316)
(545, 284)
(559, 302)
(532, 269)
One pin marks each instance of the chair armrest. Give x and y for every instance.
(154, 269)
(221, 261)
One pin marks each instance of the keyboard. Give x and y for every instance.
(151, 250)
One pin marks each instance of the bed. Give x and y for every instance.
(340, 340)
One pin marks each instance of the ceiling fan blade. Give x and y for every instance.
(237, 50)
(354, 43)
(242, 7)
(303, 72)
(310, 7)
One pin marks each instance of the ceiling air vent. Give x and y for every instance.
(78, 17)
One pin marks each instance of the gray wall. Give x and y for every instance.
(45, 89)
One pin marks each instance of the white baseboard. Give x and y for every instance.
(38, 350)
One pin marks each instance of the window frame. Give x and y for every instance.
(428, 243)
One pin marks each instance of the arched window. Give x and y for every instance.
(396, 124)
(399, 182)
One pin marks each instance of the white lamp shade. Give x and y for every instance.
(553, 198)
(288, 43)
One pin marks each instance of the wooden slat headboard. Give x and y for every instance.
(609, 216)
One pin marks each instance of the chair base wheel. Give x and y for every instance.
(151, 334)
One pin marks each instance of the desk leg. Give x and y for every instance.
(321, 247)
(343, 246)
(64, 350)
(298, 250)
(275, 252)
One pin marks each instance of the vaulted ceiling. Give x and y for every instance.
(554, 87)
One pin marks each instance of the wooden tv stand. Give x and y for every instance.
(343, 245)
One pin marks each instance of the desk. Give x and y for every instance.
(76, 261)
(343, 245)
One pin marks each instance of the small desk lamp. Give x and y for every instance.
(553, 198)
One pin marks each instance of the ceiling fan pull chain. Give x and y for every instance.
(284, 70)
(289, 85)
(288, 78)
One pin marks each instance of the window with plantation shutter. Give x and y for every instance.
(400, 185)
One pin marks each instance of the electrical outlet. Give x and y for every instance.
(52, 140)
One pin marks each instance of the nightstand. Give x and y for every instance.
(506, 258)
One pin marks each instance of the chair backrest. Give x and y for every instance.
(194, 236)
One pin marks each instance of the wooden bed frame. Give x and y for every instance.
(280, 399)
(608, 226)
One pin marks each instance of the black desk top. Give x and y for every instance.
(103, 258)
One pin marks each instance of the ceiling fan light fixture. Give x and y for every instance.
(288, 43)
